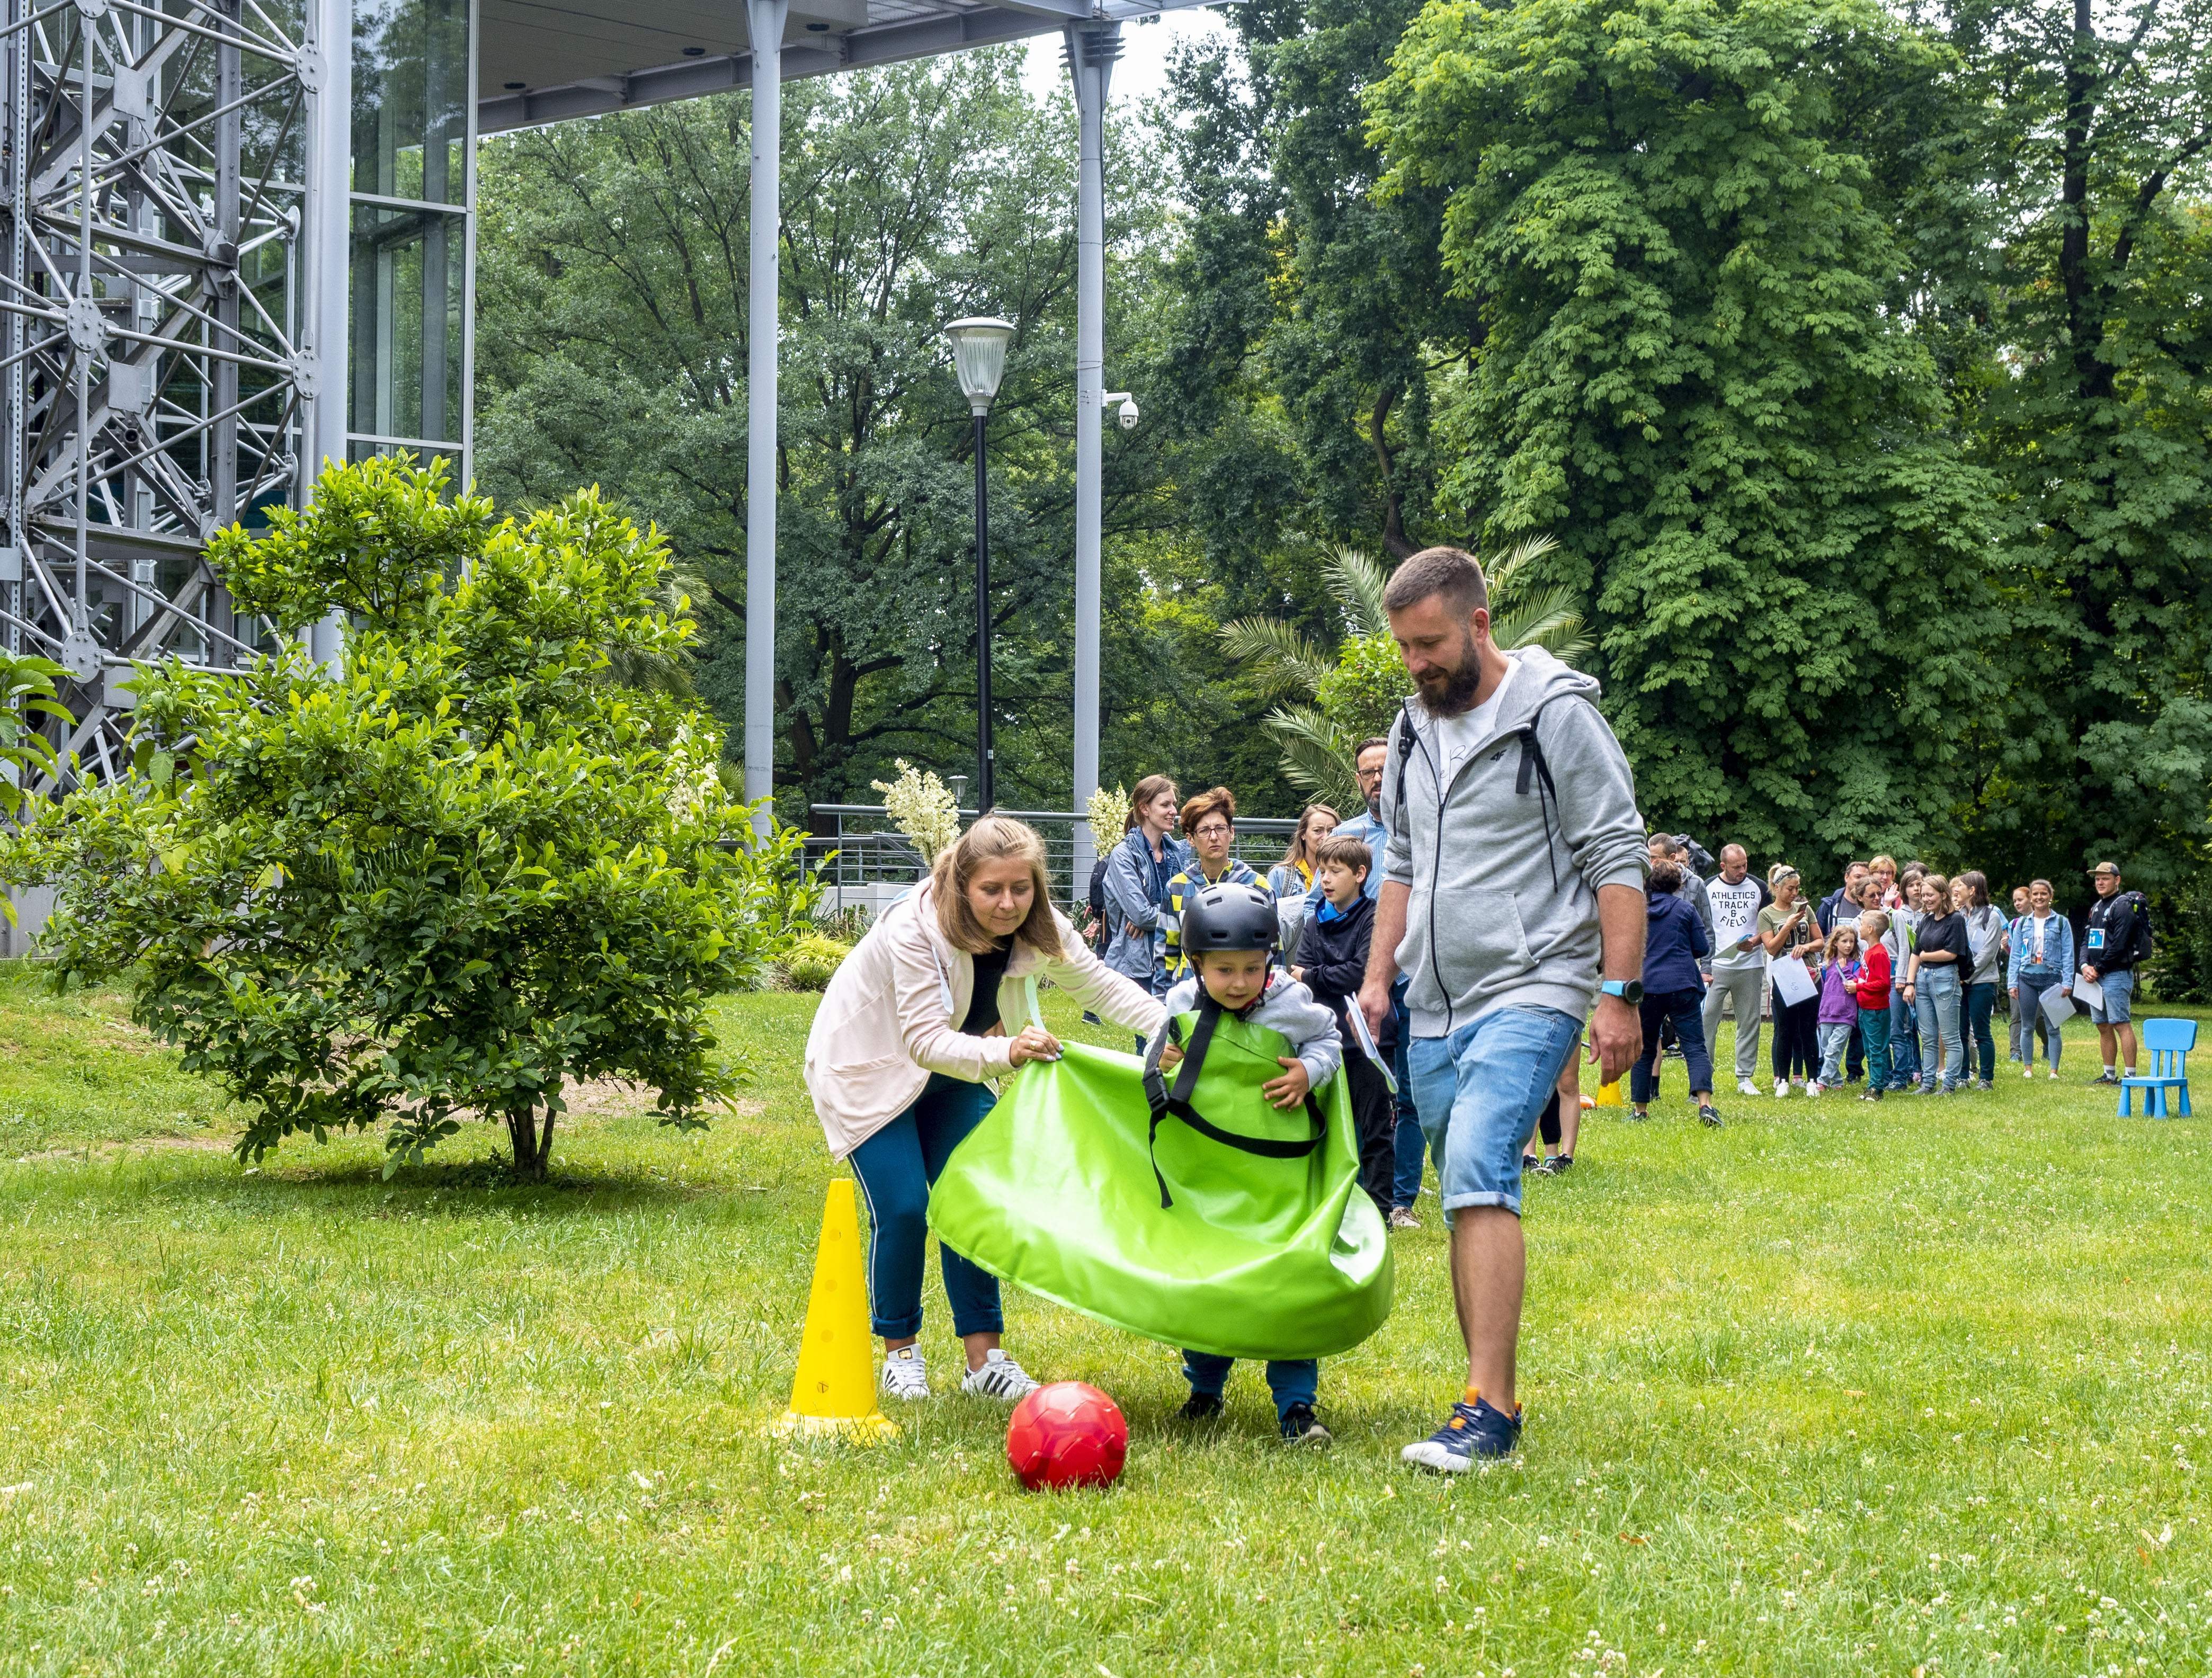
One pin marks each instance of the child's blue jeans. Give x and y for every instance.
(1292, 1380)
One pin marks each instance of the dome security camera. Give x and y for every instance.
(1128, 407)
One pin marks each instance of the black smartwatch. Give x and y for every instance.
(1630, 991)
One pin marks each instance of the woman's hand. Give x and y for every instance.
(1290, 1088)
(1035, 1044)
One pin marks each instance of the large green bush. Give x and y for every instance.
(454, 874)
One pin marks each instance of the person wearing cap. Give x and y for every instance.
(2116, 937)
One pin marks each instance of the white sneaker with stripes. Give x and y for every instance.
(1000, 1378)
(904, 1374)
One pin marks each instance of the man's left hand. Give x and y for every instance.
(1616, 1038)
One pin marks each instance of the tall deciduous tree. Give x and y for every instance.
(2092, 403)
(1697, 370)
(614, 308)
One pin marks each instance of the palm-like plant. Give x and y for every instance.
(1317, 745)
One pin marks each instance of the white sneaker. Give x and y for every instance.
(1815, 1087)
(2027, 1072)
(1780, 1088)
(1000, 1378)
(904, 1375)
(1744, 1086)
(2054, 1074)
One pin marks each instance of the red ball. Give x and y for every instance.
(1066, 1434)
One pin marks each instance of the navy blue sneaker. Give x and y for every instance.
(1477, 1428)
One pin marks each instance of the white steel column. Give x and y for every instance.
(323, 241)
(764, 21)
(1091, 50)
(325, 248)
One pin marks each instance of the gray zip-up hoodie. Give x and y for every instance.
(1505, 864)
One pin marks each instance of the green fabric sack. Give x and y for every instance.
(1256, 1257)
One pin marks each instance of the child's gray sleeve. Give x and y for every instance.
(1311, 1027)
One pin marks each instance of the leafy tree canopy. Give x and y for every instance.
(1695, 369)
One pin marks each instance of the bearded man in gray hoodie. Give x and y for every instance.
(1513, 898)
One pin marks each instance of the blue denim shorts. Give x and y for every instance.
(2119, 990)
(1479, 1092)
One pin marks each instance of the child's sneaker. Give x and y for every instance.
(1000, 1378)
(1301, 1426)
(1815, 1087)
(904, 1375)
(1477, 1429)
(1200, 1406)
(1780, 1088)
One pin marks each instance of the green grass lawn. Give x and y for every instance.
(1838, 1389)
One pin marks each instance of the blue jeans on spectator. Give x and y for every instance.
(1412, 1147)
(1936, 1000)
(1686, 1008)
(1904, 1039)
(895, 1168)
(2028, 1008)
(1292, 1380)
(1981, 1002)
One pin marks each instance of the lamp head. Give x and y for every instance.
(979, 357)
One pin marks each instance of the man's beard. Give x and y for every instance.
(1456, 691)
(1375, 804)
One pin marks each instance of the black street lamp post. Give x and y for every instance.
(979, 358)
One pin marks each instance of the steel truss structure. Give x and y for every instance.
(156, 388)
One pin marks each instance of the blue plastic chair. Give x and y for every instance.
(2169, 1041)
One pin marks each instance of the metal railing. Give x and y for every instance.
(874, 862)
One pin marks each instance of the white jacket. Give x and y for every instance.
(890, 1017)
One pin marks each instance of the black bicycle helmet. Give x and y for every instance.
(1229, 917)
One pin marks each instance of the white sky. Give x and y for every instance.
(1141, 71)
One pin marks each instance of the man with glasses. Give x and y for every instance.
(1209, 822)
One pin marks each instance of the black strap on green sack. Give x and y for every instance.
(1164, 1101)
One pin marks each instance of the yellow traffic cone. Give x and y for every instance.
(834, 1391)
(1609, 1095)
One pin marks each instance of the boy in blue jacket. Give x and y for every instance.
(1331, 961)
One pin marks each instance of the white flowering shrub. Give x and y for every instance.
(1107, 811)
(922, 808)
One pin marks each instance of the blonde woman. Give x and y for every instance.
(912, 1022)
(1293, 877)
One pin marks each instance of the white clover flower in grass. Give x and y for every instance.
(921, 807)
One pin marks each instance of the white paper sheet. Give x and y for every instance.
(1793, 984)
(2057, 1009)
(1359, 1018)
(2088, 992)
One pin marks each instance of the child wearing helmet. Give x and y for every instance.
(1229, 933)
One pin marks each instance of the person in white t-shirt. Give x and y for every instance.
(1739, 962)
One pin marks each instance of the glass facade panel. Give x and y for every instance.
(409, 359)
(408, 367)
(410, 87)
